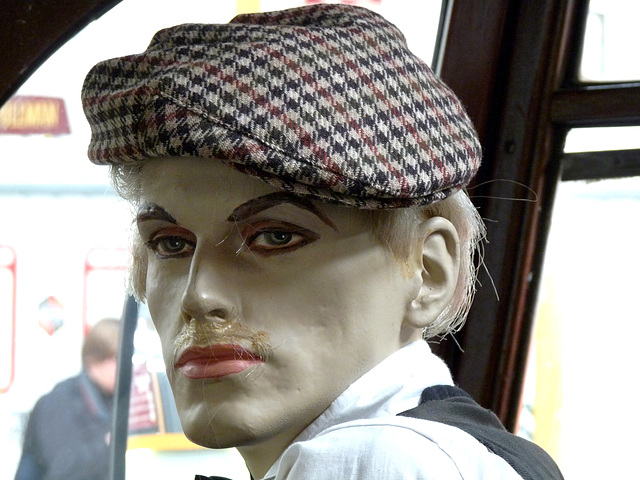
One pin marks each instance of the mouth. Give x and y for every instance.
(215, 361)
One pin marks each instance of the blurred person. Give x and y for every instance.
(302, 227)
(68, 432)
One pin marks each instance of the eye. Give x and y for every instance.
(275, 239)
(270, 239)
(170, 246)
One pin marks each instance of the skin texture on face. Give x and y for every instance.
(289, 302)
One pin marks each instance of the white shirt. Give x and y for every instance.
(360, 435)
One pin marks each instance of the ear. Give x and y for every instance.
(438, 252)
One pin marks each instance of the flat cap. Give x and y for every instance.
(324, 101)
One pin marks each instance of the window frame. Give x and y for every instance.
(524, 96)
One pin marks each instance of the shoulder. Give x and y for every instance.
(393, 448)
(63, 394)
(66, 388)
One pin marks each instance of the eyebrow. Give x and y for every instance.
(265, 202)
(151, 211)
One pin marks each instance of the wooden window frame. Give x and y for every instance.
(514, 64)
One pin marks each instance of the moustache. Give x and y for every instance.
(203, 333)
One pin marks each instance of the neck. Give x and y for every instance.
(259, 457)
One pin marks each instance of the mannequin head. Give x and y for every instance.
(293, 289)
(297, 221)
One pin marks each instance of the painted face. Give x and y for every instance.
(268, 305)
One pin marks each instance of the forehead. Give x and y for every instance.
(191, 185)
(191, 176)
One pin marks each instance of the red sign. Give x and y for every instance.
(7, 317)
(34, 115)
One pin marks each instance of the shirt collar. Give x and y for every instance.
(391, 387)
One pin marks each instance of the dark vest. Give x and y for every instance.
(453, 406)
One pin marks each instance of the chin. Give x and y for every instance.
(212, 438)
(216, 427)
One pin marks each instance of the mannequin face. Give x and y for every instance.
(289, 301)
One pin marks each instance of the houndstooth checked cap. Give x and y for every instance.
(324, 101)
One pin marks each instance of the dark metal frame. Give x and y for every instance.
(122, 394)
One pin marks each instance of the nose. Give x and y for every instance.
(208, 295)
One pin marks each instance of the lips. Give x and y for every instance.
(215, 361)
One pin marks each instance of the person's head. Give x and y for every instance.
(297, 178)
(99, 352)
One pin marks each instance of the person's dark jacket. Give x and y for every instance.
(67, 434)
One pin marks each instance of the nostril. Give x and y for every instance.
(187, 318)
(218, 314)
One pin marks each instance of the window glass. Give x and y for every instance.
(69, 230)
(587, 322)
(599, 139)
(611, 37)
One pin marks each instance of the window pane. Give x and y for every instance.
(602, 138)
(611, 38)
(587, 323)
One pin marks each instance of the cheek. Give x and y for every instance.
(164, 295)
(338, 297)
(165, 282)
